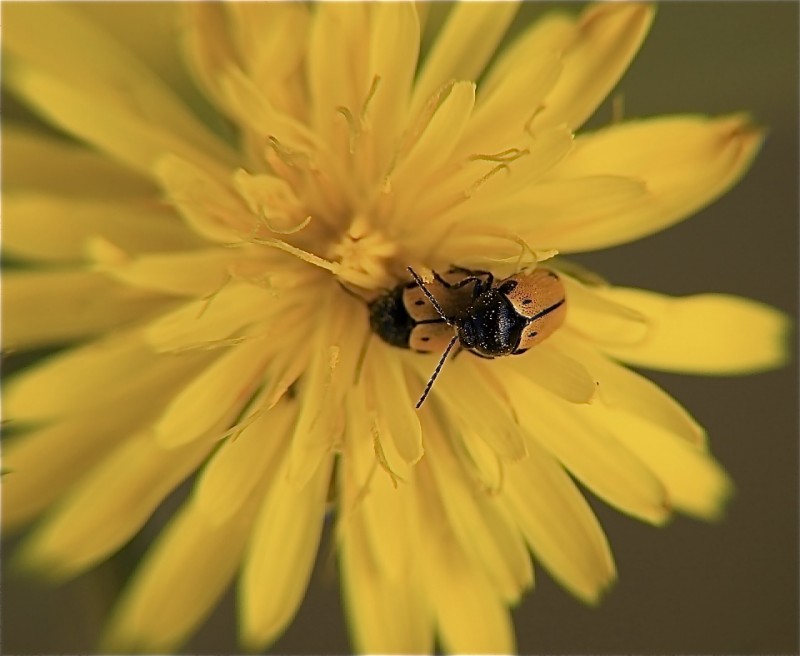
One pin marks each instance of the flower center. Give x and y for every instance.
(364, 253)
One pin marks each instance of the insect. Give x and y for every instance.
(486, 317)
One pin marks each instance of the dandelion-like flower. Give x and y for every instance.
(212, 257)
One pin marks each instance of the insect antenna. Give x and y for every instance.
(430, 296)
(436, 371)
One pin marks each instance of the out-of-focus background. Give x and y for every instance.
(689, 587)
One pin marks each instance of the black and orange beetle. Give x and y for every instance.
(486, 317)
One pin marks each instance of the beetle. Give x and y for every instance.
(486, 317)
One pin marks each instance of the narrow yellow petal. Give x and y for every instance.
(280, 555)
(465, 44)
(685, 162)
(704, 334)
(205, 201)
(621, 389)
(178, 584)
(385, 376)
(271, 38)
(481, 523)
(477, 408)
(338, 53)
(388, 616)
(196, 273)
(33, 161)
(58, 229)
(599, 318)
(695, 482)
(550, 368)
(558, 214)
(394, 47)
(558, 524)
(605, 39)
(242, 461)
(220, 392)
(128, 138)
(501, 117)
(334, 356)
(593, 455)
(471, 617)
(103, 405)
(373, 498)
(206, 322)
(110, 504)
(86, 303)
(434, 146)
(80, 62)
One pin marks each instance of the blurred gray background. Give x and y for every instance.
(690, 587)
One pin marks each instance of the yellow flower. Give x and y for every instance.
(208, 253)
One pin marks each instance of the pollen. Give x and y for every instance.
(366, 252)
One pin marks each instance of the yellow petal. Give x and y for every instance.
(35, 161)
(623, 390)
(549, 367)
(205, 201)
(86, 304)
(599, 318)
(472, 191)
(332, 367)
(558, 214)
(280, 555)
(695, 482)
(395, 408)
(557, 523)
(394, 46)
(182, 578)
(60, 55)
(478, 409)
(209, 321)
(148, 33)
(685, 162)
(338, 53)
(110, 505)
(58, 229)
(388, 616)
(80, 379)
(219, 392)
(501, 116)
(470, 615)
(372, 498)
(242, 461)
(463, 47)
(435, 144)
(193, 273)
(103, 404)
(481, 524)
(605, 39)
(704, 334)
(271, 38)
(254, 110)
(593, 456)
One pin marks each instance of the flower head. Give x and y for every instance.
(216, 257)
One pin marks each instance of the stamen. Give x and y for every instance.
(268, 223)
(528, 127)
(352, 126)
(504, 158)
(376, 80)
(333, 267)
(208, 299)
(380, 456)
